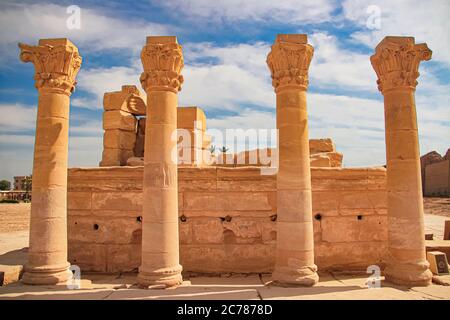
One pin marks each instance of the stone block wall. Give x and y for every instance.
(437, 179)
(227, 218)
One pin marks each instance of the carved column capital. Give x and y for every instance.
(289, 61)
(56, 63)
(162, 59)
(396, 62)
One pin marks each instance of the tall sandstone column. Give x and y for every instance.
(162, 60)
(56, 63)
(289, 61)
(396, 62)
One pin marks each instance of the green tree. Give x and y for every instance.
(5, 185)
(223, 149)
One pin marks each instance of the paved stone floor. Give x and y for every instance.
(331, 286)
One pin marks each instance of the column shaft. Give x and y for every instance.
(289, 62)
(396, 62)
(56, 62)
(295, 237)
(162, 60)
(160, 247)
(407, 262)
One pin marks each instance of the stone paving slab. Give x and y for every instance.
(331, 287)
(435, 225)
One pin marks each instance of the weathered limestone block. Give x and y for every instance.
(112, 230)
(237, 258)
(131, 201)
(129, 99)
(135, 161)
(118, 119)
(123, 257)
(115, 157)
(186, 232)
(88, 256)
(207, 230)
(325, 203)
(79, 200)
(335, 158)
(248, 230)
(244, 179)
(119, 139)
(350, 255)
(352, 229)
(321, 145)
(320, 160)
(227, 201)
(191, 118)
(194, 180)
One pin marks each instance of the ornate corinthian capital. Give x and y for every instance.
(396, 62)
(289, 61)
(56, 63)
(162, 59)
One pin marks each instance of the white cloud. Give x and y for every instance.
(237, 76)
(17, 117)
(286, 11)
(29, 22)
(17, 126)
(85, 151)
(427, 21)
(16, 140)
(334, 66)
(97, 81)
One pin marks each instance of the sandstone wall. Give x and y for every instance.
(227, 218)
(437, 179)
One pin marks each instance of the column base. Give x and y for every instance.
(409, 275)
(289, 277)
(166, 277)
(47, 275)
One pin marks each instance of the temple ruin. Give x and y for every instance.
(142, 210)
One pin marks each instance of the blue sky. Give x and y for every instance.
(225, 44)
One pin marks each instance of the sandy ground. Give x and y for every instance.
(14, 217)
(437, 206)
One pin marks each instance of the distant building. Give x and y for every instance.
(18, 182)
(436, 174)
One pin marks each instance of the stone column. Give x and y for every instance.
(56, 63)
(289, 61)
(396, 62)
(162, 60)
